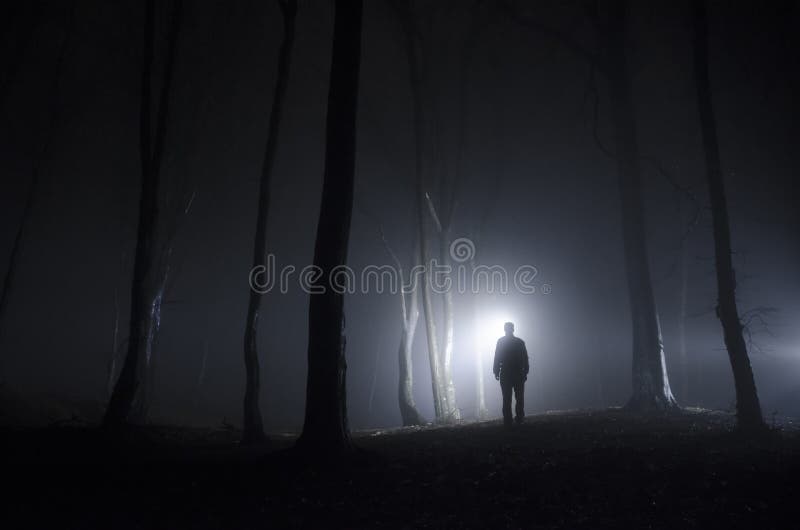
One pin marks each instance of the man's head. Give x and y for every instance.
(508, 327)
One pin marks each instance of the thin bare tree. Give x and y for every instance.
(253, 431)
(748, 408)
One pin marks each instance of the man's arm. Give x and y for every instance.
(525, 364)
(497, 363)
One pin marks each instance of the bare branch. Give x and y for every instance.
(389, 250)
(190, 202)
(432, 210)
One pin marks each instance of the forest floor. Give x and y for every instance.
(582, 469)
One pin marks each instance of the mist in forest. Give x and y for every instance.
(519, 140)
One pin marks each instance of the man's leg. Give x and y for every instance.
(507, 388)
(519, 395)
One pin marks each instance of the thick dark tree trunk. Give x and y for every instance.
(143, 296)
(326, 429)
(748, 409)
(253, 431)
(651, 390)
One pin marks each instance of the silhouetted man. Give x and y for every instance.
(511, 369)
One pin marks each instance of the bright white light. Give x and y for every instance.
(490, 329)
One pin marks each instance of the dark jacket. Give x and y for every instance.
(511, 359)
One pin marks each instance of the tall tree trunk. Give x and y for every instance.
(424, 143)
(448, 321)
(405, 391)
(147, 361)
(439, 403)
(651, 390)
(450, 411)
(481, 412)
(448, 200)
(143, 295)
(410, 317)
(253, 431)
(748, 409)
(326, 428)
(415, 72)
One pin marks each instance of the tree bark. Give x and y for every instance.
(410, 317)
(481, 412)
(143, 296)
(326, 429)
(450, 410)
(147, 361)
(410, 313)
(453, 413)
(408, 408)
(748, 408)
(651, 390)
(437, 387)
(253, 431)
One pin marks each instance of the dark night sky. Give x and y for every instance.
(531, 167)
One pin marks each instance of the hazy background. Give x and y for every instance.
(532, 170)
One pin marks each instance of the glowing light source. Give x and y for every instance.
(491, 329)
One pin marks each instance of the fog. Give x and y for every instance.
(534, 190)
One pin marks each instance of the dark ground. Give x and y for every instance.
(602, 469)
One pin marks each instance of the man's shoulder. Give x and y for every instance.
(510, 341)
